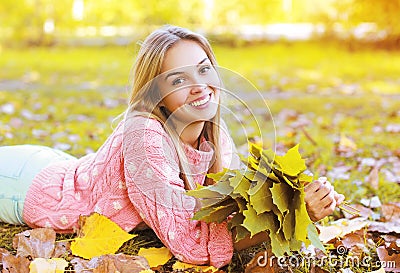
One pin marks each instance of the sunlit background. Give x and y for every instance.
(98, 22)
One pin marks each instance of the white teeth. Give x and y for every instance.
(200, 102)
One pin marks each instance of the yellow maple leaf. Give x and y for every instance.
(155, 256)
(54, 265)
(98, 236)
(200, 268)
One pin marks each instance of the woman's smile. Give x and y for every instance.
(201, 102)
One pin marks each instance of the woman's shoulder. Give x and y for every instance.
(142, 122)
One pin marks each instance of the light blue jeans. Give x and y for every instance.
(19, 164)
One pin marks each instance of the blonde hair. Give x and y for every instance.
(145, 97)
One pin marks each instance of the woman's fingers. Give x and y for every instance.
(321, 199)
(339, 198)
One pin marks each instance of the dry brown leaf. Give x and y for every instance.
(121, 262)
(373, 178)
(391, 262)
(384, 227)
(12, 264)
(62, 249)
(340, 228)
(105, 266)
(391, 211)
(317, 269)
(36, 243)
(392, 242)
(2, 252)
(352, 239)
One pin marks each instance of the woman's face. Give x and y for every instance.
(188, 83)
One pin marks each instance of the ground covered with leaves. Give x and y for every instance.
(342, 107)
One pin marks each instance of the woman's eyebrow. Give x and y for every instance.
(202, 61)
(180, 72)
(172, 74)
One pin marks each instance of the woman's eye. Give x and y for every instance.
(178, 81)
(205, 69)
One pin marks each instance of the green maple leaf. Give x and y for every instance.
(282, 195)
(256, 223)
(288, 225)
(222, 175)
(241, 233)
(267, 196)
(218, 190)
(215, 213)
(240, 185)
(301, 216)
(314, 237)
(279, 245)
(236, 220)
(261, 197)
(242, 204)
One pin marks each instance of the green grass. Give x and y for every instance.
(70, 96)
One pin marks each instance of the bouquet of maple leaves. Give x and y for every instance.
(265, 196)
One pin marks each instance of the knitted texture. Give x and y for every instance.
(134, 178)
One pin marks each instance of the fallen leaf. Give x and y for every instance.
(41, 265)
(62, 249)
(119, 262)
(340, 228)
(391, 262)
(317, 269)
(392, 242)
(373, 178)
(13, 264)
(380, 270)
(372, 202)
(382, 227)
(35, 243)
(346, 145)
(391, 211)
(155, 256)
(199, 268)
(3, 251)
(98, 236)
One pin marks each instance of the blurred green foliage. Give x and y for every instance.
(49, 22)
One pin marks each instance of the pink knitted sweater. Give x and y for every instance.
(133, 178)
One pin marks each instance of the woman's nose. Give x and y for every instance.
(197, 88)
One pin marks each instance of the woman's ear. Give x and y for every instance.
(164, 110)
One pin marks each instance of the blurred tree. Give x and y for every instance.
(347, 15)
(38, 22)
(33, 21)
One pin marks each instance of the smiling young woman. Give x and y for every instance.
(170, 137)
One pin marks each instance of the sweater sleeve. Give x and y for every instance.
(158, 194)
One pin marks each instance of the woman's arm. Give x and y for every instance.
(158, 194)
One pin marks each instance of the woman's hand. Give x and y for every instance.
(321, 199)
